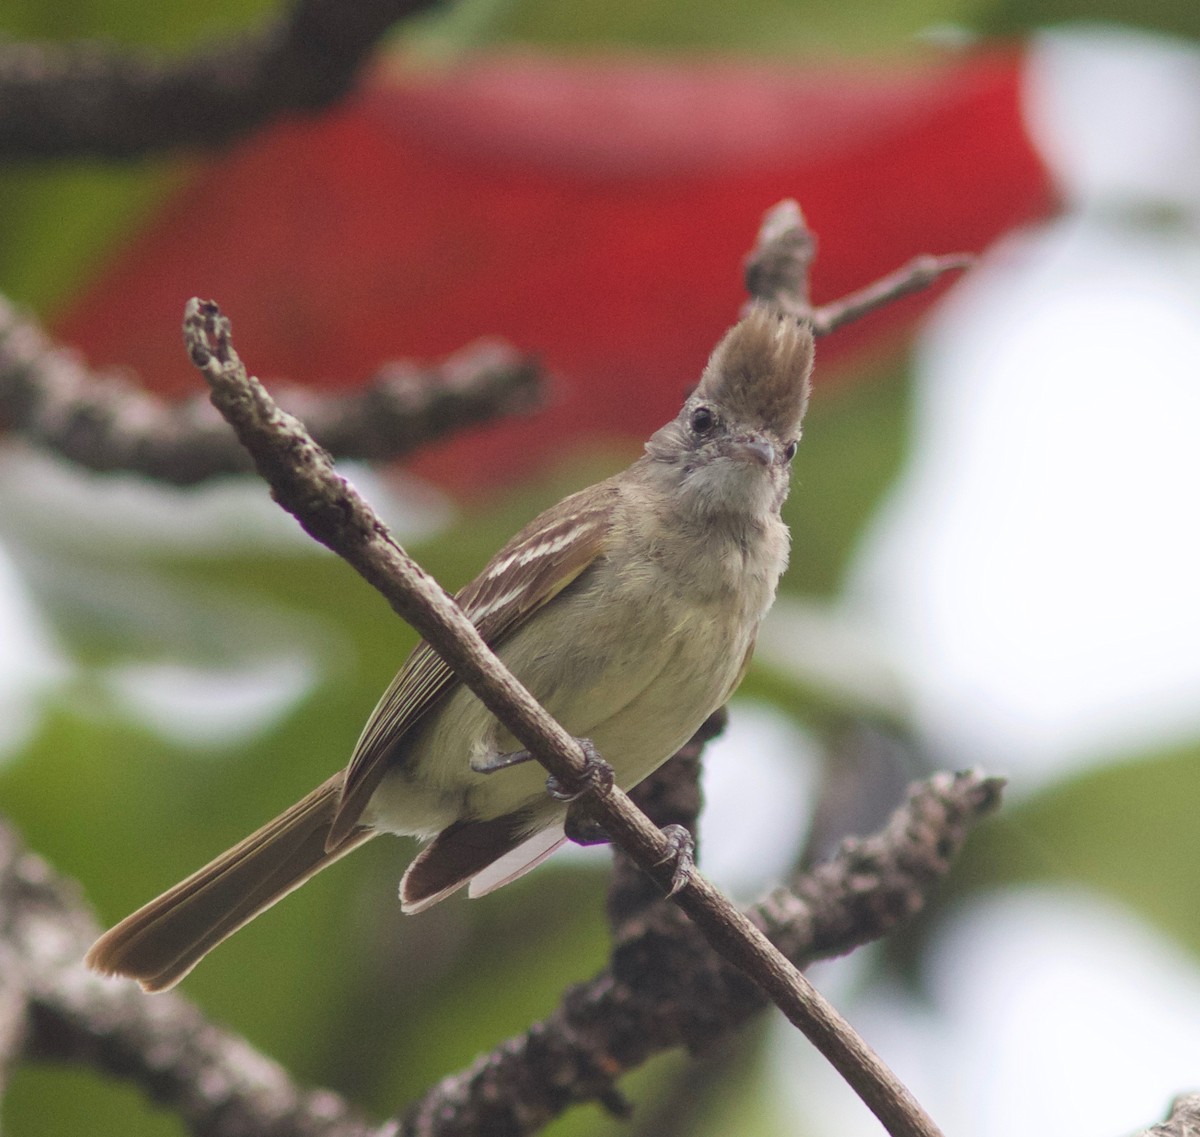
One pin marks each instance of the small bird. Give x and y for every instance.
(629, 610)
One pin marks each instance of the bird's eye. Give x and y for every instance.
(789, 452)
(703, 420)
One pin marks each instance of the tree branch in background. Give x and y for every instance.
(660, 991)
(86, 99)
(214, 1081)
(105, 422)
(1183, 1120)
(777, 270)
(665, 987)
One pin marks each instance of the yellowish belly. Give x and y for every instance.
(637, 705)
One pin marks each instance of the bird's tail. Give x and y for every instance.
(161, 942)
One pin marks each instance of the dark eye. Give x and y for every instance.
(703, 420)
(789, 452)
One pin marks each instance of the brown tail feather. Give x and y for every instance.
(161, 942)
(455, 855)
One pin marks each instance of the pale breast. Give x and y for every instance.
(634, 660)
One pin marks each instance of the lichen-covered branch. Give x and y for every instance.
(664, 988)
(87, 99)
(1183, 1120)
(214, 1081)
(106, 422)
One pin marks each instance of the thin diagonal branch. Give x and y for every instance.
(86, 99)
(666, 987)
(105, 422)
(303, 481)
(915, 276)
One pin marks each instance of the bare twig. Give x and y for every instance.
(777, 270)
(105, 422)
(303, 481)
(88, 99)
(669, 796)
(915, 276)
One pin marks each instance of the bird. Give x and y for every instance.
(629, 610)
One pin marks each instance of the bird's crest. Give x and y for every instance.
(760, 371)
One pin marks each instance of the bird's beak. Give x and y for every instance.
(753, 448)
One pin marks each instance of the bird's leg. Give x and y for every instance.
(492, 763)
(597, 774)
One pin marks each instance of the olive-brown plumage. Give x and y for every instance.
(629, 610)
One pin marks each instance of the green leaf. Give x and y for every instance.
(1127, 829)
(1012, 17)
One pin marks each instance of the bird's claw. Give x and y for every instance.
(596, 777)
(683, 853)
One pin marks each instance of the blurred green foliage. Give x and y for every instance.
(1127, 830)
(1014, 17)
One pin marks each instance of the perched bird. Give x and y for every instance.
(629, 610)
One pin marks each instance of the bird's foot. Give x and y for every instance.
(596, 777)
(682, 856)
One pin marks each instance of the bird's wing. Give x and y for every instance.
(528, 572)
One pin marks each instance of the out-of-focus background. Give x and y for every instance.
(995, 517)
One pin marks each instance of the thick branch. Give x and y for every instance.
(105, 422)
(222, 1087)
(87, 99)
(666, 987)
(303, 481)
